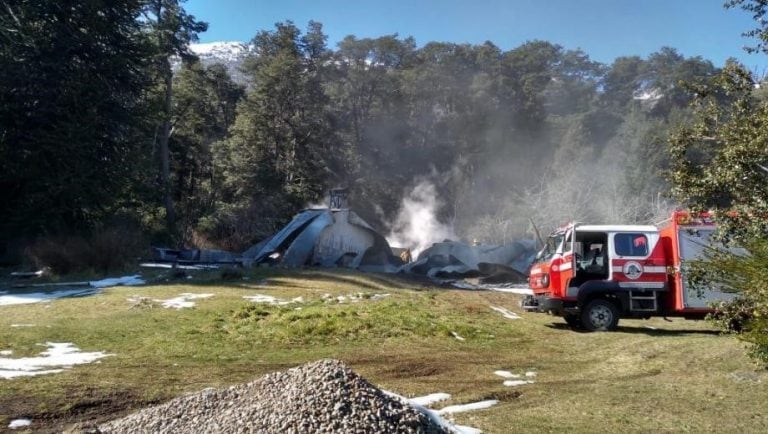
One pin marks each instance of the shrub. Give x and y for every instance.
(747, 315)
(107, 249)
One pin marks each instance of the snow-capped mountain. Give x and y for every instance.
(229, 53)
(223, 52)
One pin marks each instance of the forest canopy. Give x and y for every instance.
(95, 131)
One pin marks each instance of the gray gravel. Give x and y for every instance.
(320, 397)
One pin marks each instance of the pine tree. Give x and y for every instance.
(72, 86)
(171, 29)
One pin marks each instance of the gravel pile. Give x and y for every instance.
(319, 397)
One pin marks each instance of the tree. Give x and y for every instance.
(204, 103)
(759, 10)
(171, 30)
(281, 153)
(72, 85)
(720, 163)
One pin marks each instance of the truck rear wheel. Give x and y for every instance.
(600, 315)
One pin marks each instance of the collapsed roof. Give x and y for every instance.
(454, 259)
(326, 238)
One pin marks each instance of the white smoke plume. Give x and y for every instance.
(417, 226)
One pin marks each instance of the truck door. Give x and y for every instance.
(568, 264)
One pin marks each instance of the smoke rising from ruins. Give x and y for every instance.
(417, 226)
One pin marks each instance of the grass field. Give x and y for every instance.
(650, 376)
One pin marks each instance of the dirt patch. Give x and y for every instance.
(502, 395)
(414, 369)
(83, 410)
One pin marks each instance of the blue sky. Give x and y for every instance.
(604, 29)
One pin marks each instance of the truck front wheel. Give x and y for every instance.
(600, 315)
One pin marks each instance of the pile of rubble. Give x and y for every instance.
(338, 237)
(321, 397)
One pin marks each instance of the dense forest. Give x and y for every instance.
(109, 123)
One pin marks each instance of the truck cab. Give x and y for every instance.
(592, 275)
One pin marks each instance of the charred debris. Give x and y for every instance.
(336, 236)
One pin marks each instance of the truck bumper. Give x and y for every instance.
(543, 303)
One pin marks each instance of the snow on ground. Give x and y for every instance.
(506, 313)
(184, 300)
(22, 325)
(515, 383)
(58, 357)
(178, 266)
(117, 281)
(456, 335)
(430, 399)
(7, 299)
(480, 405)
(6, 352)
(19, 423)
(506, 374)
(353, 298)
(37, 297)
(268, 299)
(521, 289)
(421, 403)
(463, 285)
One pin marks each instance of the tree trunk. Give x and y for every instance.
(165, 157)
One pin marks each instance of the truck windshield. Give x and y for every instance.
(553, 244)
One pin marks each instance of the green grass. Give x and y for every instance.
(681, 377)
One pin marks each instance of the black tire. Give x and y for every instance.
(600, 315)
(573, 321)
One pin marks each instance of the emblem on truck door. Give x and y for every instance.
(632, 270)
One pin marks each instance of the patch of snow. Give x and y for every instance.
(463, 285)
(650, 327)
(37, 297)
(506, 374)
(268, 299)
(456, 335)
(22, 325)
(515, 383)
(178, 266)
(461, 429)
(530, 374)
(58, 356)
(434, 415)
(514, 289)
(353, 298)
(19, 423)
(183, 300)
(506, 313)
(117, 281)
(430, 399)
(480, 405)
(6, 352)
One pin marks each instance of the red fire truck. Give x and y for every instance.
(592, 275)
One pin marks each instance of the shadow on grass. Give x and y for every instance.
(646, 330)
